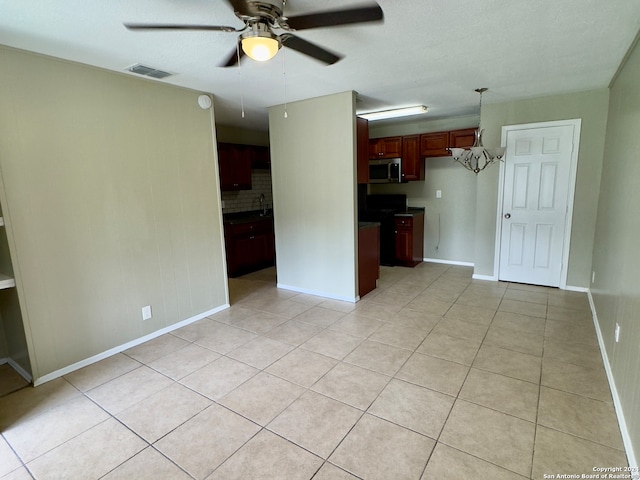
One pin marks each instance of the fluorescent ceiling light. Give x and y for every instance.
(394, 113)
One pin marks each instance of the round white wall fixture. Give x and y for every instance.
(204, 101)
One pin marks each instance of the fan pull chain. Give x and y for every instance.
(241, 83)
(284, 78)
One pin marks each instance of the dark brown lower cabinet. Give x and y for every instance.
(368, 258)
(409, 238)
(250, 246)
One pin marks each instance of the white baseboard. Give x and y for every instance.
(489, 278)
(576, 289)
(492, 278)
(626, 438)
(318, 294)
(121, 348)
(21, 371)
(448, 262)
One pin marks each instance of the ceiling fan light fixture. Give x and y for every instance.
(394, 113)
(259, 43)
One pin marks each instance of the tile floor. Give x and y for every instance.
(432, 376)
(10, 380)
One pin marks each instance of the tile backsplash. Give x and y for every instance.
(246, 200)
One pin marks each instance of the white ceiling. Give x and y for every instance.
(431, 52)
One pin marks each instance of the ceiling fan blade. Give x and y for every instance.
(308, 48)
(232, 60)
(173, 26)
(331, 18)
(241, 7)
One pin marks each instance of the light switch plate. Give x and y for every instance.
(438, 193)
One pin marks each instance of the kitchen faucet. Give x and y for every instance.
(263, 205)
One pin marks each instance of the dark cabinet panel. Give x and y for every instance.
(362, 128)
(462, 138)
(438, 144)
(260, 157)
(434, 144)
(250, 246)
(234, 164)
(368, 259)
(387, 147)
(404, 242)
(412, 161)
(409, 239)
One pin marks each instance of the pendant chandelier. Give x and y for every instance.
(477, 158)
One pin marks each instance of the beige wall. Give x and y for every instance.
(313, 172)
(449, 221)
(225, 133)
(616, 258)
(110, 194)
(589, 106)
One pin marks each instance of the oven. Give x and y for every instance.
(383, 208)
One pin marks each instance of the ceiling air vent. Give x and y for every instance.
(148, 71)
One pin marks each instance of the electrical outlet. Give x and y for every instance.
(438, 193)
(146, 312)
(617, 333)
(593, 276)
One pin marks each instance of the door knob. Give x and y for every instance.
(507, 216)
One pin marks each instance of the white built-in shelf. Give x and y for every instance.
(6, 282)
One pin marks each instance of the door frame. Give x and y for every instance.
(576, 123)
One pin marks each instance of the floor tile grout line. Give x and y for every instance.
(365, 411)
(436, 357)
(263, 334)
(148, 443)
(22, 462)
(535, 431)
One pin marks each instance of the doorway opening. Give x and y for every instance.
(243, 286)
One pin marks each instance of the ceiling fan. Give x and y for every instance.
(259, 38)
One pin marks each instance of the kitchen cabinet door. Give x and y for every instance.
(404, 241)
(250, 246)
(434, 144)
(234, 163)
(412, 162)
(409, 240)
(362, 154)
(462, 138)
(368, 259)
(387, 147)
(260, 157)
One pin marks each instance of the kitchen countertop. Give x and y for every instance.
(244, 217)
(411, 211)
(368, 224)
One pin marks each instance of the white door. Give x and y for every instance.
(537, 176)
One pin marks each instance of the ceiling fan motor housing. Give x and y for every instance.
(258, 39)
(267, 10)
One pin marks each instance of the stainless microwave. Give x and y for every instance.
(385, 170)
